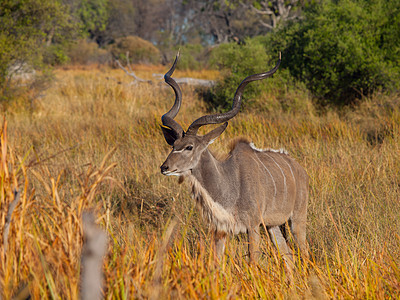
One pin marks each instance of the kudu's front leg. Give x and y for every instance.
(254, 244)
(219, 244)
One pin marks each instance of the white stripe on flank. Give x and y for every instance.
(273, 181)
(294, 179)
(283, 174)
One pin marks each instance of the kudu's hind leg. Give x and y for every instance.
(298, 229)
(280, 243)
(298, 220)
(298, 224)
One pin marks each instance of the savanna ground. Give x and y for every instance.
(93, 142)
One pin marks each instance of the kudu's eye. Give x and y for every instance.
(189, 148)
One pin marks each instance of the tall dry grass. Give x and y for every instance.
(93, 142)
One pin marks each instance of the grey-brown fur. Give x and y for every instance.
(250, 188)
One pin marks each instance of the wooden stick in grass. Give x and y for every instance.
(93, 251)
(13, 204)
(156, 291)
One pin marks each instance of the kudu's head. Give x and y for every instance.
(187, 147)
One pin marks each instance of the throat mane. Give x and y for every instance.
(213, 212)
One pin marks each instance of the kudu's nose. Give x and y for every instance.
(164, 168)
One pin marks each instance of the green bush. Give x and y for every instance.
(55, 54)
(140, 50)
(239, 61)
(344, 49)
(33, 34)
(193, 57)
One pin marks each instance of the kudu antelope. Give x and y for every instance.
(250, 188)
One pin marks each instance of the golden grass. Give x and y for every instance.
(92, 143)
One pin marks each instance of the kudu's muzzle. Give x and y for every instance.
(164, 168)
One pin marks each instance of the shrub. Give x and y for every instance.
(83, 52)
(140, 50)
(32, 34)
(193, 57)
(343, 49)
(55, 54)
(239, 61)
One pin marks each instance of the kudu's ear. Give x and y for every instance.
(170, 135)
(213, 134)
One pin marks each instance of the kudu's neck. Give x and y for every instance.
(208, 170)
(216, 177)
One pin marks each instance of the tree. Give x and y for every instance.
(344, 49)
(30, 33)
(120, 22)
(92, 15)
(272, 13)
(162, 22)
(238, 62)
(221, 21)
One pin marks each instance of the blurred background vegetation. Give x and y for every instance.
(337, 50)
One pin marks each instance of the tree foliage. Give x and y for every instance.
(238, 61)
(120, 22)
(344, 49)
(31, 32)
(340, 49)
(92, 15)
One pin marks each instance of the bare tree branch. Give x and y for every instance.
(188, 80)
(266, 24)
(278, 10)
(183, 80)
(130, 71)
(258, 11)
